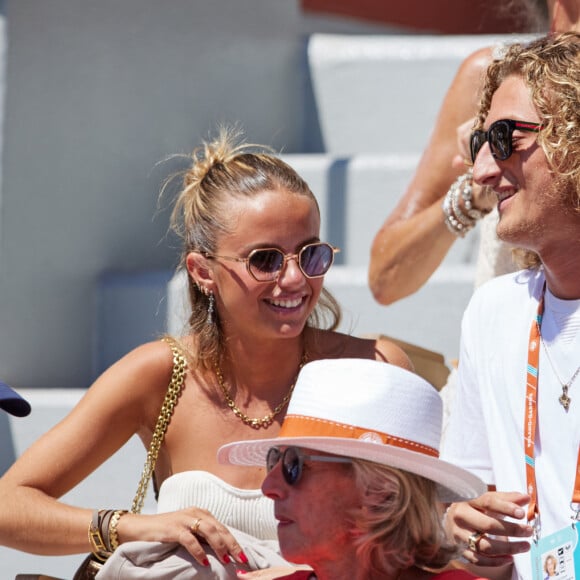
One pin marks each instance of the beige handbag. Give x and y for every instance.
(171, 561)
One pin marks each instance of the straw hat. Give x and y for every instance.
(368, 410)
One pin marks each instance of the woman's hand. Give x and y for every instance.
(481, 526)
(290, 573)
(195, 529)
(414, 240)
(483, 198)
(463, 156)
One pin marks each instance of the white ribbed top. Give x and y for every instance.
(244, 509)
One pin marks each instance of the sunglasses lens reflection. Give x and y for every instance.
(476, 143)
(316, 259)
(291, 463)
(264, 263)
(272, 458)
(500, 140)
(291, 466)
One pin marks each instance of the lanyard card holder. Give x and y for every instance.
(557, 556)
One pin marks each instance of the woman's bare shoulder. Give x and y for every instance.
(150, 361)
(140, 377)
(125, 398)
(474, 65)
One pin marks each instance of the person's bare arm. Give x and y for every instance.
(125, 400)
(31, 517)
(414, 238)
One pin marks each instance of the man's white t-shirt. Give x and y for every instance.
(486, 427)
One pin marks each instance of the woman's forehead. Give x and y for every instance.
(272, 218)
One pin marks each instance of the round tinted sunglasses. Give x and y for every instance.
(293, 461)
(499, 136)
(266, 264)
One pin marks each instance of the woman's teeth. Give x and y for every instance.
(287, 303)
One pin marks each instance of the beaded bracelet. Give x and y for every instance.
(456, 227)
(457, 221)
(462, 218)
(465, 183)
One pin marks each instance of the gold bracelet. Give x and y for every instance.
(113, 537)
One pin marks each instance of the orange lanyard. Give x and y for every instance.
(530, 420)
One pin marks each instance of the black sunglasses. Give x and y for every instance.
(266, 264)
(499, 137)
(293, 460)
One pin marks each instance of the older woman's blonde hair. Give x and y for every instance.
(550, 67)
(400, 524)
(221, 170)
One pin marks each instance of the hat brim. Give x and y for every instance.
(453, 483)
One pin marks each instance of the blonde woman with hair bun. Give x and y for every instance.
(255, 264)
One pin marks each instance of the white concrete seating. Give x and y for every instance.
(382, 92)
(356, 193)
(130, 310)
(430, 318)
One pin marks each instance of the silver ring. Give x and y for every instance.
(195, 526)
(473, 541)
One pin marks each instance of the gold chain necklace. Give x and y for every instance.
(256, 422)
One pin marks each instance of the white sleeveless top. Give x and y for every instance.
(247, 510)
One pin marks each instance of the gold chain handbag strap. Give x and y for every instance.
(171, 398)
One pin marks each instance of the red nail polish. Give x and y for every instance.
(205, 562)
(243, 558)
(226, 559)
(241, 572)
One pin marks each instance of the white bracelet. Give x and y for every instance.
(458, 222)
(465, 184)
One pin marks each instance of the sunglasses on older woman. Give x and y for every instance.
(266, 264)
(499, 136)
(293, 462)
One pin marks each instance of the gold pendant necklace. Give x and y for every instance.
(564, 399)
(256, 422)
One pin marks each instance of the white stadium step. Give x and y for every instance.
(356, 193)
(381, 93)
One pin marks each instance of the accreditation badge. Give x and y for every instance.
(557, 556)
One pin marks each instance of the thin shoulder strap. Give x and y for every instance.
(171, 398)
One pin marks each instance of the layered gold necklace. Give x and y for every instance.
(256, 422)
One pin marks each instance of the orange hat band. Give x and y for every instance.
(302, 426)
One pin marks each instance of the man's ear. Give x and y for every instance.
(200, 271)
